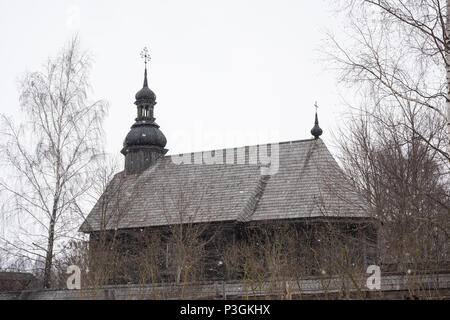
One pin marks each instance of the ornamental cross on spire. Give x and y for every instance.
(145, 55)
(316, 106)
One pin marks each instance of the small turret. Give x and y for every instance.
(316, 131)
(145, 143)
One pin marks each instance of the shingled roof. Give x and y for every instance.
(308, 183)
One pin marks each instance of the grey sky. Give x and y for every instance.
(226, 73)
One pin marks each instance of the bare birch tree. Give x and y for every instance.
(50, 154)
(399, 49)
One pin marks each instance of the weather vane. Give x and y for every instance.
(145, 55)
(315, 105)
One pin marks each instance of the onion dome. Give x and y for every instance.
(316, 131)
(145, 94)
(145, 133)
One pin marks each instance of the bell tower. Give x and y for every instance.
(145, 143)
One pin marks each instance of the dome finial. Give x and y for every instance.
(146, 56)
(316, 131)
(145, 95)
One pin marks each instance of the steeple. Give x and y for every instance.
(145, 85)
(145, 143)
(316, 131)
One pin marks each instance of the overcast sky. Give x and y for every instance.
(225, 73)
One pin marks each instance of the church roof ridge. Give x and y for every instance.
(242, 146)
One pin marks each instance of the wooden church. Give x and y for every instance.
(222, 194)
